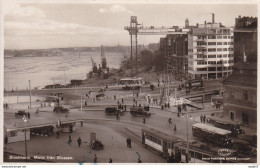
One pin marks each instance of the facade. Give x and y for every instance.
(210, 51)
(240, 94)
(245, 39)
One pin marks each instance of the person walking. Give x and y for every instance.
(144, 120)
(122, 101)
(70, 140)
(170, 120)
(204, 119)
(95, 159)
(174, 128)
(110, 160)
(79, 142)
(28, 115)
(201, 118)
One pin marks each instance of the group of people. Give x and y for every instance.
(78, 141)
(5, 105)
(202, 118)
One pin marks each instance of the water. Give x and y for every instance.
(46, 70)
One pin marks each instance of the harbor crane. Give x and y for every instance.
(138, 29)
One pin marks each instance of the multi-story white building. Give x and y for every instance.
(210, 51)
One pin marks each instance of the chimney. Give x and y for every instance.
(213, 18)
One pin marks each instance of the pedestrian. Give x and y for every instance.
(175, 128)
(128, 141)
(139, 160)
(139, 105)
(137, 95)
(110, 160)
(162, 107)
(204, 119)
(170, 120)
(28, 115)
(125, 107)
(81, 123)
(95, 159)
(86, 103)
(168, 105)
(71, 128)
(144, 120)
(134, 100)
(201, 118)
(79, 142)
(122, 101)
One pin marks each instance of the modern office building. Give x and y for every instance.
(210, 51)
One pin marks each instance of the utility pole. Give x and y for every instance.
(30, 94)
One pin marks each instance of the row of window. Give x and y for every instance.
(215, 56)
(215, 69)
(214, 62)
(215, 43)
(219, 37)
(153, 139)
(219, 49)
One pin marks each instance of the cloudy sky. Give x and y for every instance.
(30, 25)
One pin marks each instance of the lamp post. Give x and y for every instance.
(25, 132)
(58, 101)
(187, 124)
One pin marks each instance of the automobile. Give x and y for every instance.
(139, 111)
(20, 113)
(113, 110)
(62, 109)
(98, 96)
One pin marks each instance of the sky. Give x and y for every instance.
(46, 24)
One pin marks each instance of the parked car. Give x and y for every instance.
(139, 111)
(62, 109)
(20, 113)
(113, 110)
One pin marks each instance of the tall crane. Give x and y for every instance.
(103, 58)
(138, 29)
(94, 66)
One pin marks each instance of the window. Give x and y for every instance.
(219, 37)
(212, 62)
(219, 43)
(224, 37)
(211, 68)
(219, 49)
(230, 55)
(202, 63)
(224, 55)
(224, 49)
(225, 43)
(230, 61)
(211, 56)
(219, 56)
(245, 95)
(13, 133)
(190, 50)
(211, 43)
(201, 69)
(200, 50)
(211, 37)
(200, 56)
(230, 43)
(225, 62)
(211, 49)
(219, 62)
(230, 49)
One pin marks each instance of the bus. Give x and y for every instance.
(215, 135)
(194, 84)
(226, 124)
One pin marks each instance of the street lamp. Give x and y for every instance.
(187, 122)
(58, 101)
(25, 132)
